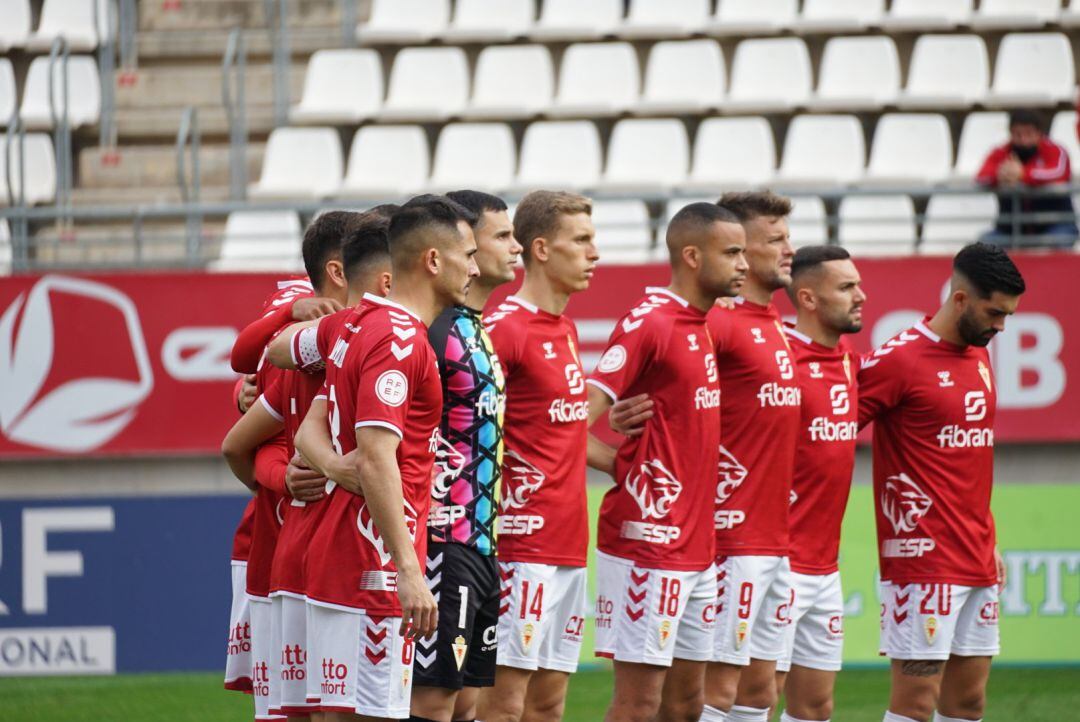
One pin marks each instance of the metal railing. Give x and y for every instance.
(61, 122)
(350, 15)
(277, 25)
(187, 139)
(233, 68)
(15, 136)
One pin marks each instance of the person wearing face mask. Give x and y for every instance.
(1029, 160)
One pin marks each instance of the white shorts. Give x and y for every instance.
(541, 616)
(360, 664)
(650, 616)
(238, 649)
(749, 591)
(933, 621)
(263, 659)
(814, 634)
(289, 695)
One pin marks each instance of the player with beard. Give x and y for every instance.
(462, 573)
(543, 517)
(656, 585)
(825, 290)
(759, 425)
(931, 394)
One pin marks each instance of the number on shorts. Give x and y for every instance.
(464, 592)
(746, 596)
(669, 596)
(537, 605)
(944, 599)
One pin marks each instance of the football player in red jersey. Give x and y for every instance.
(759, 423)
(825, 290)
(543, 517)
(931, 394)
(656, 583)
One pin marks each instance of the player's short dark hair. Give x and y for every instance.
(808, 258)
(385, 210)
(366, 244)
(412, 225)
(989, 269)
(539, 213)
(478, 202)
(322, 242)
(1027, 116)
(696, 216)
(748, 205)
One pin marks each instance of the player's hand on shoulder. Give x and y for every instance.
(304, 484)
(628, 416)
(248, 393)
(345, 474)
(419, 612)
(308, 309)
(726, 302)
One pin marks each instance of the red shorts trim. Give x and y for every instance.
(243, 684)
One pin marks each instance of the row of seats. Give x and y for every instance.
(415, 21)
(39, 182)
(71, 19)
(84, 92)
(867, 225)
(689, 76)
(643, 155)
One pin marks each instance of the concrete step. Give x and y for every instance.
(210, 43)
(114, 244)
(214, 14)
(136, 166)
(200, 84)
(142, 195)
(161, 124)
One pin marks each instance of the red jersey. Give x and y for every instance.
(824, 451)
(759, 425)
(381, 371)
(277, 313)
(241, 547)
(932, 404)
(659, 513)
(543, 515)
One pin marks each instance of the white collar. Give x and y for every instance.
(523, 303)
(667, 292)
(925, 331)
(386, 302)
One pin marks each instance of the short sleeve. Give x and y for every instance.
(306, 348)
(273, 399)
(632, 348)
(881, 388)
(389, 375)
(718, 323)
(506, 339)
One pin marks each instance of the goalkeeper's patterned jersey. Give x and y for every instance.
(468, 465)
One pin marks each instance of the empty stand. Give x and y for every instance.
(947, 71)
(84, 92)
(1015, 14)
(647, 155)
(512, 81)
(260, 240)
(877, 225)
(808, 223)
(427, 84)
(300, 163)
(72, 19)
(858, 73)
(834, 16)
(39, 183)
(1033, 69)
(485, 21)
(623, 231)
(404, 21)
(732, 153)
(1070, 16)
(683, 76)
(664, 18)
(340, 87)
(597, 79)
(474, 155)
(927, 14)
(769, 74)
(753, 17)
(387, 161)
(953, 221)
(982, 132)
(575, 20)
(910, 148)
(1063, 132)
(15, 30)
(826, 150)
(559, 154)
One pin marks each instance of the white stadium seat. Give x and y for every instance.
(769, 74)
(823, 150)
(1070, 16)
(982, 132)
(623, 231)
(427, 84)
(474, 155)
(927, 14)
(39, 184)
(1015, 14)
(260, 241)
(1063, 132)
(404, 21)
(340, 86)
(858, 73)
(84, 92)
(672, 207)
(953, 221)
(558, 154)
(833, 16)
(387, 161)
(73, 19)
(15, 30)
(576, 20)
(5, 247)
(910, 148)
(300, 163)
(808, 223)
(490, 20)
(877, 225)
(947, 71)
(7, 91)
(733, 153)
(647, 154)
(512, 81)
(683, 76)
(753, 17)
(1033, 69)
(597, 79)
(664, 18)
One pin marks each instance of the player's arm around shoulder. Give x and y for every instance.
(240, 445)
(317, 451)
(280, 350)
(882, 379)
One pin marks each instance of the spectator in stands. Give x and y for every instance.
(1029, 160)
